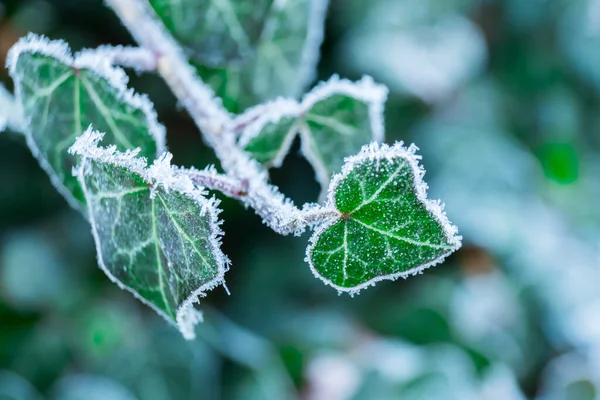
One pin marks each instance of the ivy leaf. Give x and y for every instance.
(385, 226)
(157, 236)
(215, 32)
(61, 95)
(334, 121)
(283, 62)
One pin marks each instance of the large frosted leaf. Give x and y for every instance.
(61, 96)
(334, 121)
(284, 60)
(215, 32)
(386, 227)
(157, 236)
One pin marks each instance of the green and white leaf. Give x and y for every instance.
(156, 234)
(334, 121)
(61, 95)
(283, 63)
(385, 226)
(215, 32)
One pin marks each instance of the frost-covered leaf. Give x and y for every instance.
(157, 235)
(215, 32)
(62, 95)
(334, 121)
(386, 227)
(284, 60)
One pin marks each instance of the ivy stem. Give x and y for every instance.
(239, 189)
(278, 212)
(137, 58)
(230, 187)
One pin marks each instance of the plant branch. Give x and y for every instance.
(211, 118)
(210, 179)
(239, 189)
(137, 58)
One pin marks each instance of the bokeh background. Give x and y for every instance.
(503, 99)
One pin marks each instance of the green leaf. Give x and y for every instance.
(61, 96)
(385, 226)
(157, 236)
(215, 32)
(284, 60)
(334, 121)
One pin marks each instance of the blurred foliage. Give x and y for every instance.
(502, 97)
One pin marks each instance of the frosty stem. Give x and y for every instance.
(137, 58)
(211, 118)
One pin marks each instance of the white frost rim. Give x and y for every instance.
(253, 121)
(160, 173)
(98, 64)
(376, 152)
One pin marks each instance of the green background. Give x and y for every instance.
(503, 99)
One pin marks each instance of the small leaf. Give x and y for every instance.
(334, 121)
(283, 63)
(157, 236)
(61, 96)
(386, 227)
(215, 32)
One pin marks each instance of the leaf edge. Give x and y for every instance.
(87, 147)
(373, 152)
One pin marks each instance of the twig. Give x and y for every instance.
(210, 179)
(137, 58)
(310, 215)
(212, 119)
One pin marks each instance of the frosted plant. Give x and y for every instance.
(155, 224)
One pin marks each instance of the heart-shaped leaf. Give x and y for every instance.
(61, 95)
(156, 234)
(385, 227)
